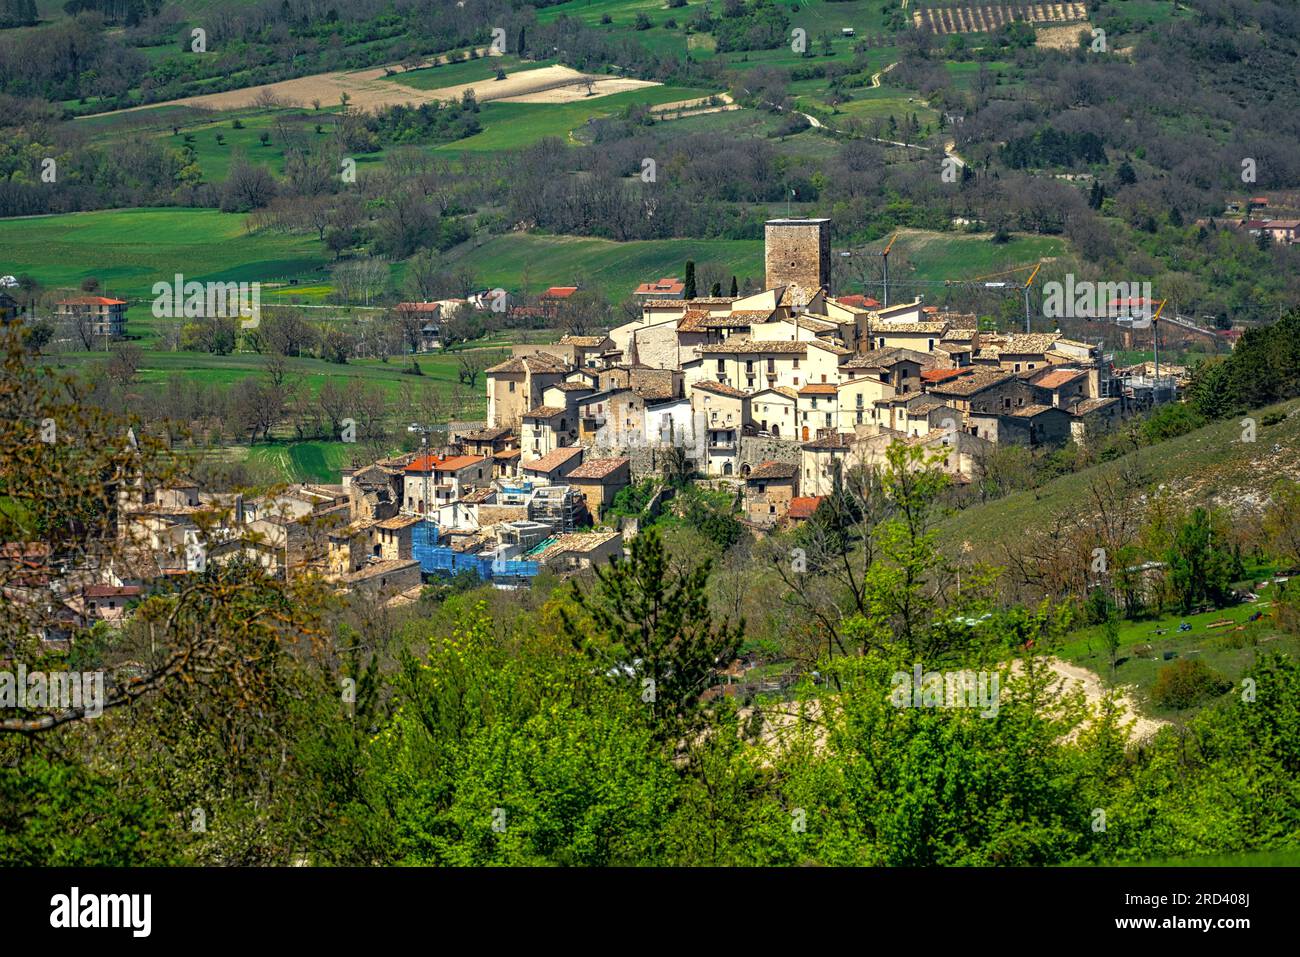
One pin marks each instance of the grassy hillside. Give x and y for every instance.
(1211, 464)
(130, 250)
(439, 371)
(614, 268)
(513, 125)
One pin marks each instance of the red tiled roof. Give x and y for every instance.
(803, 506)
(91, 301)
(112, 591)
(560, 292)
(667, 284)
(862, 302)
(419, 306)
(943, 375)
(773, 470)
(818, 388)
(1058, 377)
(598, 468)
(450, 463)
(553, 459)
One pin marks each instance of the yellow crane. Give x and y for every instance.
(1024, 287)
(884, 260)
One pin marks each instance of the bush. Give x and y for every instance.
(1186, 683)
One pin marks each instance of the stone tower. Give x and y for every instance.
(798, 253)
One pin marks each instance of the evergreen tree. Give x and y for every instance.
(735, 290)
(690, 279)
(649, 622)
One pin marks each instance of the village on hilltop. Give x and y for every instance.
(769, 396)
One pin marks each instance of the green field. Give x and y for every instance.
(466, 71)
(130, 250)
(439, 371)
(1145, 643)
(300, 461)
(933, 257)
(613, 268)
(513, 125)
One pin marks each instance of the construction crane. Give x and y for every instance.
(884, 263)
(986, 282)
(1155, 348)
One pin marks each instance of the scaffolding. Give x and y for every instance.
(559, 506)
(491, 566)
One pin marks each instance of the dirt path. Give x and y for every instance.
(1072, 676)
(781, 720)
(875, 77)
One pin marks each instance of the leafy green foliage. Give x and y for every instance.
(651, 625)
(1187, 682)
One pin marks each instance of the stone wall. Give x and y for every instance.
(755, 449)
(798, 251)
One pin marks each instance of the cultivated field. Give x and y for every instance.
(987, 18)
(382, 86)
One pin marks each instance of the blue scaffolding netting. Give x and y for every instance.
(440, 558)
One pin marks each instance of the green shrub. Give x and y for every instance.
(1187, 682)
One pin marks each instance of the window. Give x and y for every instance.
(750, 382)
(771, 510)
(931, 348)
(722, 365)
(1017, 367)
(512, 385)
(823, 376)
(796, 363)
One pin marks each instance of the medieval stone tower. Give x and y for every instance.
(798, 252)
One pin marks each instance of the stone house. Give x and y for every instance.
(598, 481)
(769, 488)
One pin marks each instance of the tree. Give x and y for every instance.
(1282, 522)
(1200, 567)
(1110, 632)
(650, 627)
(469, 366)
(690, 279)
(124, 363)
(247, 187)
(286, 332)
